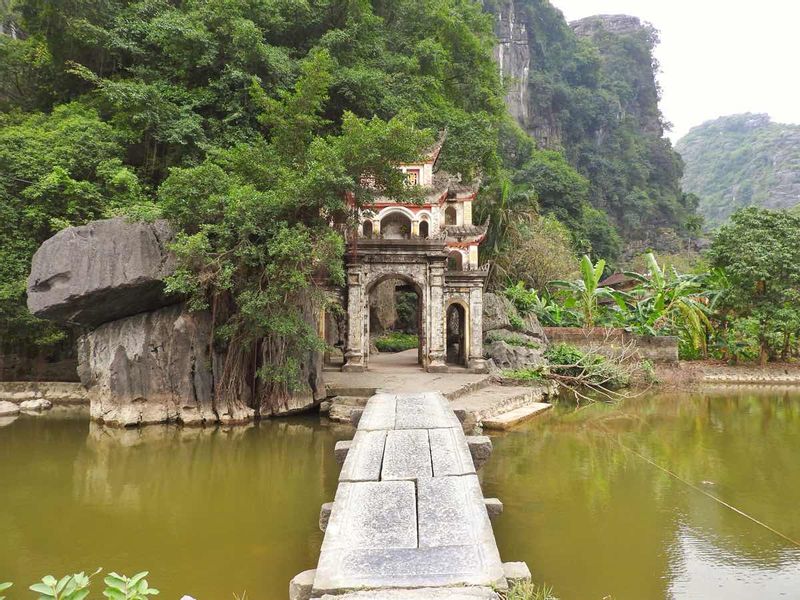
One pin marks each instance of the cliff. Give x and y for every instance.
(741, 160)
(589, 90)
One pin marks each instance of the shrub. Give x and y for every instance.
(586, 368)
(396, 341)
(524, 374)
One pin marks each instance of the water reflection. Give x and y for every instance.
(208, 511)
(594, 519)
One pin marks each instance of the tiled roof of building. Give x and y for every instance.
(462, 231)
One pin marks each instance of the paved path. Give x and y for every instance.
(409, 511)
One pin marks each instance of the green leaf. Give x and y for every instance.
(42, 588)
(5, 586)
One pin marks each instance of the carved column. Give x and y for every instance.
(436, 353)
(476, 360)
(354, 353)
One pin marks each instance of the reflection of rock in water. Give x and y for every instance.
(8, 420)
(168, 468)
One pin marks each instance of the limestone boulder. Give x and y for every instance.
(496, 312)
(8, 409)
(101, 272)
(532, 327)
(155, 367)
(506, 356)
(38, 404)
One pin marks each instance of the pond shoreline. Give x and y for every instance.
(688, 374)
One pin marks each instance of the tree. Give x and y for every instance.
(759, 252)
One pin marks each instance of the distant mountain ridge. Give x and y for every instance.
(741, 160)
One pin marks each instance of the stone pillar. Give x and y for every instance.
(354, 353)
(475, 358)
(436, 351)
(414, 229)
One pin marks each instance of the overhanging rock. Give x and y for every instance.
(100, 272)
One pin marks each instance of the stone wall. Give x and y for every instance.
(662, 349)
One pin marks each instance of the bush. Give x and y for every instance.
(396, 341)
(525, 374)
(586, 368)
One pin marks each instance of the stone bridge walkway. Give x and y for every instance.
(409, 514)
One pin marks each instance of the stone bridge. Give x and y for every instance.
(409, 520)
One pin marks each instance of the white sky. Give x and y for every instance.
(717, 57)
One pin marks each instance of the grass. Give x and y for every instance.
(531, 591)
(396, 341)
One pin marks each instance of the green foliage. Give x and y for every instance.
(69, 587)
(56, 170)
(120, 587)
(587, 368)
(512, 339)
(3, 587)
(524, 300)
(668, 303)
(526, 374)
(76, 587)
(247, 126)
(741, 160)
(527, 590)
(587, 290)
(396, 341)
(759, 253)
(593, 94)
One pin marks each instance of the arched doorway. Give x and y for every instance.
(456, 335)
(395, 324)
(424, 230)
(396, 226)
(366, 229)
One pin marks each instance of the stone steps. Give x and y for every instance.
(495, 400)
(515, 417)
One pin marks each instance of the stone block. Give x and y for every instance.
(407, 455)
(325, 515)
(101, 272)
(494, 507)
(341, 449)
(480, 447)
(364, 459)
(452, 513)
(443, 566)
(424, 411)
(355, 416)
(371, 516)
(450, 454)
(301, 585)
(459, 593)
(516, 572)
(379, 414)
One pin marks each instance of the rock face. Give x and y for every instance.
(100, 272)
(513, 56)
(155, 367)
(496, 312)
(508, 347)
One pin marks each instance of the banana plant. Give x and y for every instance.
(587, 290)
(668, 303)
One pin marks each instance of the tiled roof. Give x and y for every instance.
(460, 231)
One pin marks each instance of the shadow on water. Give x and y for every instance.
(208, 511)
(593, 519)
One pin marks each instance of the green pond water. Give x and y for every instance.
(213, 512)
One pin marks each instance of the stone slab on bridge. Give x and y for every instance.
(409, 513)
